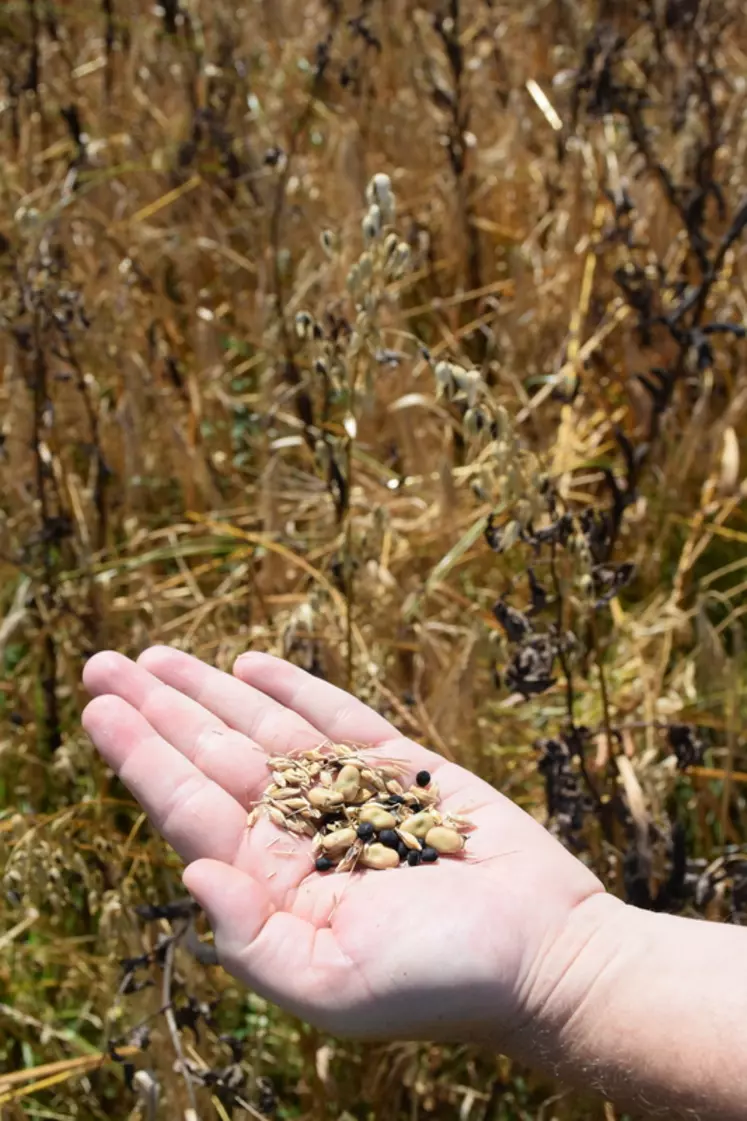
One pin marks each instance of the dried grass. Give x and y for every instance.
(173, 469)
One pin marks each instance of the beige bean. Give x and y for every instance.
(324, 798)
(444, 840)
(419, 824)
(379, 856)
(379, 817)
(339, 841)
(348, 782)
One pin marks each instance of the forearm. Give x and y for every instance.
(651, 1010)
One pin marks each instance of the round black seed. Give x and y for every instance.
(429, 855)
(389, 838)
(365, 831)
(413, 857)
(323, 864)
(395, 800)
(403, 850)
(422, 778)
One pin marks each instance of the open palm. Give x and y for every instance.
(454, 950)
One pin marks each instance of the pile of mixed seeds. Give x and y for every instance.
(357, 812)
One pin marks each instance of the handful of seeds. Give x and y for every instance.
(357, 812)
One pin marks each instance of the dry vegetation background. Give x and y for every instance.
(182, 461)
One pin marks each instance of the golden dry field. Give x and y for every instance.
(407, 341)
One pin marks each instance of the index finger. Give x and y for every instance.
(338, 715)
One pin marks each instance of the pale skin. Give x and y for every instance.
(515, 945)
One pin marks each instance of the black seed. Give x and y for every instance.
(389, 838)
(365, 831)
(395, 800)
(323, 864)
(416, 807)
(413, 857)
(403, 850)
(422, 778)
(429, 855)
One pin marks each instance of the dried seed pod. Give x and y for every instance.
(350, 859)
(295, 804)
(419, 824)
(379, 856)
(281, 762)
(430, 796)
(394, 787)
(280, 807)
(276, 817)
(324, 798)
(302, 828)
(339, 841)
(348, 782)
(378, 816)
(254, 816)
(409, 839)
(365, 794)
(280, 779)
(373, 779)
(286, 792)
(462, 824)
(444, 840)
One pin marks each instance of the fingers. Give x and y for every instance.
(274, 727)
(231, 760)
(336, 714)
(195, 815)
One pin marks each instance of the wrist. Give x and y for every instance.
(646, 1008)
(558, 1002)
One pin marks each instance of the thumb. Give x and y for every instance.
(236, 905)
(268, 950)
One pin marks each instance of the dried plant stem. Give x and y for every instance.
(168, 1011)
(349, 566)
(51, 727)
(603, 690)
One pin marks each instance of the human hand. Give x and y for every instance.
(472, 949)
